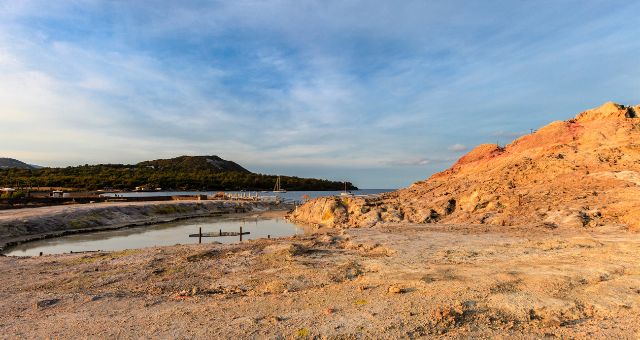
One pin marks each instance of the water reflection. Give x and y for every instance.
(163, 234)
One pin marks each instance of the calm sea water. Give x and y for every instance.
(290, 195)
(164, 234)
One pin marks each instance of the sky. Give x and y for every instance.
(380, 93)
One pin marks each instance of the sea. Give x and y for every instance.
(285, 196)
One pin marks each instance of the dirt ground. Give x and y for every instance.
(389, 281)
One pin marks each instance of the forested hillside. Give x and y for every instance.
(182, 173)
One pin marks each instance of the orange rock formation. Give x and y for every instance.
(583, 172)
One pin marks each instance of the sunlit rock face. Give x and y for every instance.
(584, 172)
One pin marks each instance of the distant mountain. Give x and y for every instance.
(9, 163)
(194, 163)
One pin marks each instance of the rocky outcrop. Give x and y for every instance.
(343, 211)
(609, 110)
(583, 172)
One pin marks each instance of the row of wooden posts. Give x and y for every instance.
(247, 196)
(220, 233)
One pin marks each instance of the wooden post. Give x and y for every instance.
(200, 236)
(40, 253)
(240, 234)
(220, 232)
(268, 236)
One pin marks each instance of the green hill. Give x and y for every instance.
(193, 163)
(181, 173)
(9, 163)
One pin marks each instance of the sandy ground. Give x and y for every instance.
(382, 282)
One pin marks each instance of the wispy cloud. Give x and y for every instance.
(411, 162)
(457, 147)
(355, 88)
(418, 162)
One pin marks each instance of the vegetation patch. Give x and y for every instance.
(205, 255)
(302, 333)
(347, 272)
(171, 209)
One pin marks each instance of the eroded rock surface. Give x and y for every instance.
(583, 172)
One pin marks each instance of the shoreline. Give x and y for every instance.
(57, 221)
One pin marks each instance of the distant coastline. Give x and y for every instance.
(292, 195)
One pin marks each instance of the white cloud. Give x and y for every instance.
(417, 162)
(457, 147)
(422, 161)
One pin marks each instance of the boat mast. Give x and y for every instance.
(277, 187)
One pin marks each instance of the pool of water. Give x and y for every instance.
(164, 234)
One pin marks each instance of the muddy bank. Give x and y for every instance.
(23, 225)
(396, 281)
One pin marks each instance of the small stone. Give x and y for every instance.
(194, 291)
(395, 289)
(276, 319)
(329, 310)
(47, 303)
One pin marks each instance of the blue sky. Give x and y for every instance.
(380, 93)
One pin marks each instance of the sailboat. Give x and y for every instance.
(278, 188)
(345, 192)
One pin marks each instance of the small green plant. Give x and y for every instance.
(360, 302)
(302, 333)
